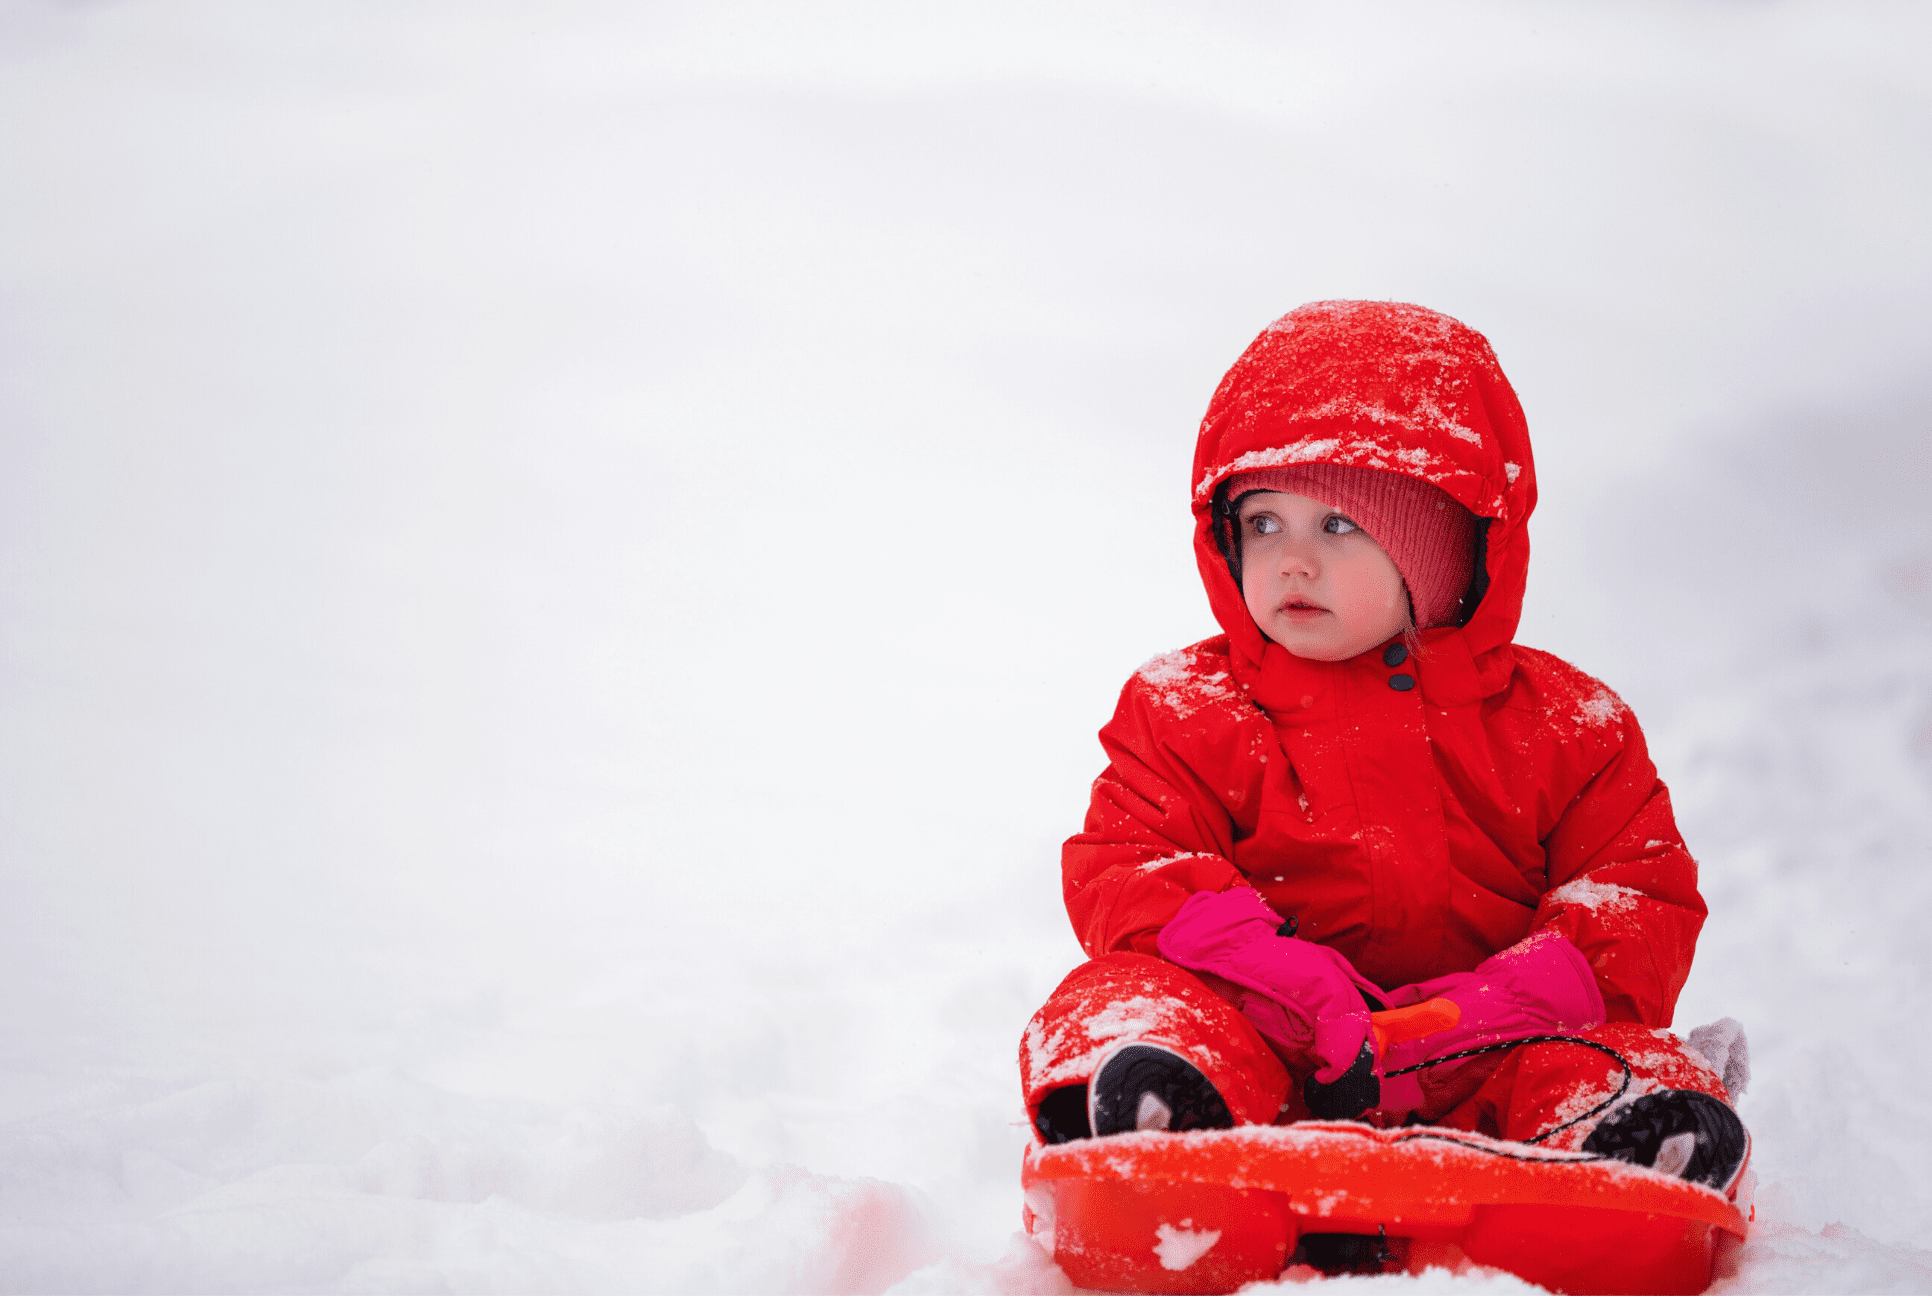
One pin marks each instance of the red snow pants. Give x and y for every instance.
(1136, 997)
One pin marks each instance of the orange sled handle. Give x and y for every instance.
(1394, 1025)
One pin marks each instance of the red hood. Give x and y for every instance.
(1374, 385)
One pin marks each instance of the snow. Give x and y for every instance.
(1362, 452)
(559, 568)
(1183, 685)
(1306, 451)
(1593, 895)
(1136, 1016)
(1601, 709)
(1179, 1247)
(1153, 865)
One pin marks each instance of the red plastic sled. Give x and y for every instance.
(1211, 1210)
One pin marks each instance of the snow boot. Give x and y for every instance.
(1679, 1132)
(1062, 1117)
(1144, 1086)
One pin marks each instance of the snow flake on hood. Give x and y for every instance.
(1357, 452)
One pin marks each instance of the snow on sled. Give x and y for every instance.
(1210, 1210)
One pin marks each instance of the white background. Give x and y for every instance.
(559, 565)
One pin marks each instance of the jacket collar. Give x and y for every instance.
(1444, 670)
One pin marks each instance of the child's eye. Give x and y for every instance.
(1336, 524)
(1264, 525)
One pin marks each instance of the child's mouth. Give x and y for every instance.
(1301, 608)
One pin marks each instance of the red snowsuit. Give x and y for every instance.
(1418, 818)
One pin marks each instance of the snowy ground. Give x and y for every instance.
(559, 565)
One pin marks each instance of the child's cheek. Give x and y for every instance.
(1254, 593)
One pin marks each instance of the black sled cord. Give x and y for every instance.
(1548, 1133)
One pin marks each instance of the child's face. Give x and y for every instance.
(1314, 581)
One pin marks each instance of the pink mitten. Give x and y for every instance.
(1542, 985)
(1304, 998)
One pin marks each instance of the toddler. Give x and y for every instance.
(1364, 795)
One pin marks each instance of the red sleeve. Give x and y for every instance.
(1154, 836)
(1623, 887)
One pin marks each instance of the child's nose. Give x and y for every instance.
(1298, 559)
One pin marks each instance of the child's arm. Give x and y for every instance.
(1154, 833)
(1623, 888)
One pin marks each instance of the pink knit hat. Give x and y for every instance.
(1431, 537)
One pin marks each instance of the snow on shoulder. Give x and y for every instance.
(1577, 703)
(1187, 681)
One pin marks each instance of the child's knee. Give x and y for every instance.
(1658, 1059)
(1124, 999)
